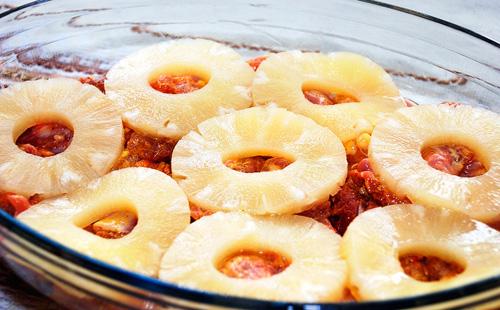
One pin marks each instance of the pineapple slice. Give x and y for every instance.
(395, 155)
(318, 167)
(378, 241)
(97, 139)
(288, 257)
(130, 83)
(365, 88)
(160, 205)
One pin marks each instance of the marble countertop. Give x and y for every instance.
(478, 15)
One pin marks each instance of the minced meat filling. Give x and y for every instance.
(257, 164)
(454, 159)
(146, 151)
(46, 139)
(253, 265)
(177, 84)
(428, 268)
(362, 191)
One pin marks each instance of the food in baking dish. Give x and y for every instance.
(316, 162)
(403, 250)
(167, 89)
(270, 189)
(56, 135)
(158, 210)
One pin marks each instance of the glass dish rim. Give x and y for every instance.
(153, 285)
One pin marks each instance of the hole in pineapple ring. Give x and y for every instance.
(178, 79)
(454, 158)
(321, 94)
(109, 221)
(253, 264)
(258, 161)
(43, 135)
(427, 264)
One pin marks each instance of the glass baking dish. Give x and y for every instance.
(429, 59)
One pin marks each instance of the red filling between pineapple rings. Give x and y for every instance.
(362, 190)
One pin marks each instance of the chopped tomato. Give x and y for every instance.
(14, 204)
(255, 62)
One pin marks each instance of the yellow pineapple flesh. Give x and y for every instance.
(289, 79)
(318, 162)
(310, 270)
(160, 206)
(96, 144)
(146, 109)
(395, 155)
(377, 240)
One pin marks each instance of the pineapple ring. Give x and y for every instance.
(319, 169)
(376, 238)
(162, 210)
(316, 273)
(97, 141)
(281, 78)
(153, 112)
(395, 155)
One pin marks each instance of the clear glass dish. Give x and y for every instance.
(430, 60)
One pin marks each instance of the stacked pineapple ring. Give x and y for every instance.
(150, 111)
(96, 143)
(282, 78)
(318, 169)
(376, 238)
(161, 207)
(395, 155)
